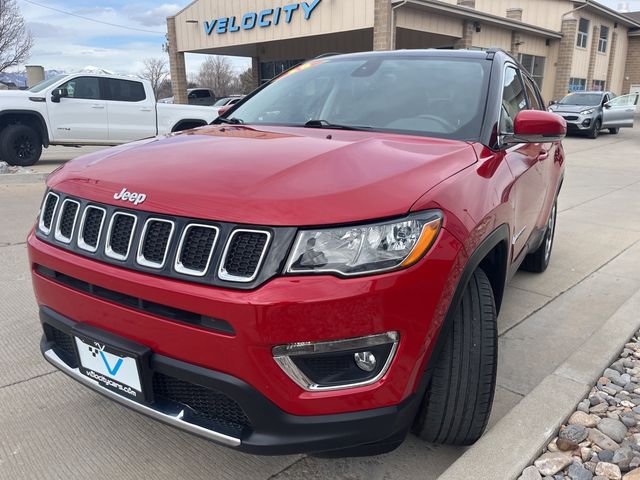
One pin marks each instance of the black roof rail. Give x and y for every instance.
(328, 54)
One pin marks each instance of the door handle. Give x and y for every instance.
(145, 109)
(97, 107)
(543, 155)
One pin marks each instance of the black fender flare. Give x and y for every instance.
(39, 118)
(198, 122)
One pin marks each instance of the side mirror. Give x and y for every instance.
(59, 93)
(224, 110)
(535, 126)
(552, 102)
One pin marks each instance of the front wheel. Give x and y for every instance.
(20, 145)
(458, 400)
(595, 130)
(614, 131)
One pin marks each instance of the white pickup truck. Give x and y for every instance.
(87, 109)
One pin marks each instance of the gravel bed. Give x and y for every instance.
(601, 439)
(5, 168)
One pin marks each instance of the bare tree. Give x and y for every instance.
(216, 73)
(155, 70)
(246, 82)
(15, 40)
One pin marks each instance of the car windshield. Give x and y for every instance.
(582, 99)
(38, 87)
(221, 103)
(413, 94)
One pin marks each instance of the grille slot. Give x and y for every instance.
(63, 341)
(204, 403)
(67, 220)
(47, 212)
(91, 228)
(243, 255)
(120, 235)
(154, 245)
(196, 249)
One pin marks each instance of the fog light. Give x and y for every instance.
(338, 364)
(365, 361)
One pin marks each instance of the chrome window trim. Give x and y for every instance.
(41, 226)
(282, 355)
(57, 233)
(107, 248)
(179, 267)
(222, 273)
(140, 259)
(81, 243)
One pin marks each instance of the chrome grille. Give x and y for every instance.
(154, 246)
(200, 251)
(243, 255)
(47, 212)
(196, 249)
(67, 220)
(120, 235)
(91, 228)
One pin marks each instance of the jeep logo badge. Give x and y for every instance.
(126, 196)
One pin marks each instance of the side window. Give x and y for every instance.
(203, 94)
(125, 90)
(513, 100)
(83, 87)
(534, 99)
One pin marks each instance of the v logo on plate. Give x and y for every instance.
(112, 371)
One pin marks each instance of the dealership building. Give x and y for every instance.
(566, 45)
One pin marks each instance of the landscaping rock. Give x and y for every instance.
(551, 463)
(530, 473)
(623, 457)
(584, 419)
(578, 472)
(633, 475)
(614, 429)
(602, 440)
(571, 436)
(4, 167)
(608, 470)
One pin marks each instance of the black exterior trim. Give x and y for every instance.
(39, 118)
(194, 122)
(273, 431)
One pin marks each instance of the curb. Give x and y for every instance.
(519, 437)
(22, 178)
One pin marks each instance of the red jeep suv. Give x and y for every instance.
(318, 271)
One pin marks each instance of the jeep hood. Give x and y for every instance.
(269, 176)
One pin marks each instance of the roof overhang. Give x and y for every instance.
(609, 12)
(467, 13)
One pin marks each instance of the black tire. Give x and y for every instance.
(458, 400)
(538, 261)
(595, 130)
(20, 145)
(614, 131)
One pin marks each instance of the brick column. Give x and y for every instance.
(466, 41)
(514, 14)
(382, 28)
(565, 57)
(612, 59)
(515, 43)
(632, 71)
(592, 55)
(177, 65)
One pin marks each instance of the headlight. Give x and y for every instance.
(363, 249)
(551, 109)
(587, 112)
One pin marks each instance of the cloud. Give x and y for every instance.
(48, 30)
(156, 16)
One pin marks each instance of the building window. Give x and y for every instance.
(598, 85)
(534, 65)
(269, 70)
(583, 33)
(604, 38)
(577, 84)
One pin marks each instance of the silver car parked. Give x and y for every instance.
(590, 112)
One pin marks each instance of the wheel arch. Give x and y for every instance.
(188, 123)
(26, 117)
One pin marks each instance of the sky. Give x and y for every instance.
(64, 42)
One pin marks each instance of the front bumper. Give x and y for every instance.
(266, 428)
(577, 122)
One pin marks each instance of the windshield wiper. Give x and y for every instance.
(230, 121)
(325, 124)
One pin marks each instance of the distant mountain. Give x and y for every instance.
(20, 78)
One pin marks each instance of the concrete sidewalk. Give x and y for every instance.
(52, 427)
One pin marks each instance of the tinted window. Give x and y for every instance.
(83, 87)
(534, 100)
(203, 94)
(125, 90)
(413, 94)
(513, 100)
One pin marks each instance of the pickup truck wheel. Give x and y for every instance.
(458, 400)
(20, 145)
(614, 131)
(538, 261)
(595, 131)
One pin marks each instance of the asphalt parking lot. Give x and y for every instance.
(51, 427)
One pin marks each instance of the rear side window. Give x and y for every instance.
(534, 99)
(203, 94)
(513, 100)
(125, 90)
